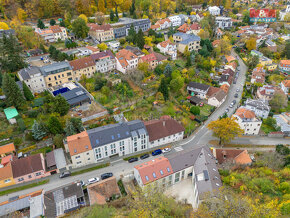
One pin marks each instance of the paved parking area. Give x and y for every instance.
(182, 191)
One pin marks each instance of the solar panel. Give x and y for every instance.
(79, 92)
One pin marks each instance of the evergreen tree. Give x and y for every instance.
(58, 141)
(188, 61)
(77, 123)
(60, 105)
(42, 48)
(163, 88)
(140, 41)
(52, 22)
(12, 92)
(69, 128)
(112, 16)
(27, 93)
(11, 57)
(54, 126)
(40, 24)
(167, 71)
(132, 8)
(116, 12)
(38, 131)
(131, 35)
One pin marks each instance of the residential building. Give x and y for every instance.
(168, 48)
(82, 67)
(136, 51)
(122, 27)
(259, 107)
(214, 10)
(93, 49)
(55, 161)
(57, 73)
(226, 79)
(163, 131)
(176, 20)
(248, 121)
(283, 121)
(29, 168)
(216, 96)
(153, 59)
(192, 42)
(59, 32)
(219, 33)
(184, 28)
(266, 92)
(271, 67)
(284, 66)
(235, 156)
(126, 61)
(285, 86)
(84, 51)
(7, 149)
(225, 88)
(198, 89)
(258, 75)
(45, 34)
(63, 199)
(197, 165)
(257, 53)
(103, 191)
(284, 12)
(195, 28)
(114, 45)
(164, 23)
(80, 149)
(196, 8)
(224, 22)
(28, 205)
(105, 61)
(6, 176)
(101, 33)
(33, 78)
(233, 66)
(264, 61)
(11, 113)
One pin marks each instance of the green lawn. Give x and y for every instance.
(43, 150)
(267, 129)
(9, 191)
(205, 110)
(90, 169)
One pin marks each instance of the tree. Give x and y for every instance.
(58, 141)
(27, 93)
(4, 26)
(60, 105)
(73, 126)
(246, 17)
(11, 57)
(167, 71)
(279, 100)
(143, 66)
(286, 51)
(140, 39)
(251, 44)
(40, 24)
(80, 28)
(176, 82)
(84, 17)
(38, 131)
(28, 37)
(131, 35)
(225, 129)
(101, 6)
(100, 18)
(116, 12)
(163, 88)
(252, 62)
(112, 15)
(54, 126)
(204, 52)
(52, 22)
(12, 92)
(69, 128)
(103, 46)
(195, 110)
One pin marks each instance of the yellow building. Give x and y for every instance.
(183, 40)
(264, 61)
(6, 176)
(101, 33)
(83, 66)
(57, 73)
(271, 67)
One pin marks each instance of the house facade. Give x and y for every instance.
(199, 89)
(83, 66)
(153, 59)
(33, 78)
(126, 61)
(217, 98)
(101, 33)
(6, 176)
(105, 61)
(259, 107)
(176, 20)
(214, 10)
(258, 75)
(224, 22)
(190, 41)
(164, 23)
(284, 66)
(248, 121)
(283, 121)
(168, 48)
(59, 33)
(266, 92)
(285, 86)
(114, 45)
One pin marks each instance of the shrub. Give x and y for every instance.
(195, 110)
(32, 113)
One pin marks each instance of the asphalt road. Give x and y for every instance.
(200, 137)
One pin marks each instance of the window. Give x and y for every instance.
(75, 150)
(87, 147)
(168, 170)
(38, 174)
(79, 162)
(147, 178)
(88, 153)
(20, 179)
(161, 172)
(29, 177)
(7, 180)
(182, 174)
(154, 175)
(177, 175)
(77, 157)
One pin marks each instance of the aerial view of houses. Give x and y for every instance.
(181, 106)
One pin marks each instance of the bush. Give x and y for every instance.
(17, 141)
(32, 113)
(122, 188)
(30, 148)
(283, 150)
(195, 110)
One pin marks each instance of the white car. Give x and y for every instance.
(93, 180)
(165, 150)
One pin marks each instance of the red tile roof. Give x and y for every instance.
(162, 21)
(238, 156)
(158, 129)
(195, 26)
(184, 28)
(82, 63)
(153, 57)
(244, 113)
(212, 90)
(154, 169)
(6, 160)
(79, 143)
(125, 55)
(165, 43)
(96, 27)
(216, 42)
(155, 26)
(225, 88)
(7, 149)
(6, 172)
(55, 29)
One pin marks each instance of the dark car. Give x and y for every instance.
(133, 159)
(234, 102)
(144, 156)
(156, 152)
(64, 174)
(236, 95)
(106, 175)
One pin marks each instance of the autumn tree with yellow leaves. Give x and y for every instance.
(226, 129)
(251, 43)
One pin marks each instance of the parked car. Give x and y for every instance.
(201, 104)
(166, 150)
(106, 175)
(133, 159)
(236, 95)
(227, 110)
(233, 102)
(235, 80)
(93, 180)
(144, 156)
(231, 106)
(64, 174)
(156, 152)
(238, 89)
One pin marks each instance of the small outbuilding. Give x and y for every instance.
(11, 113)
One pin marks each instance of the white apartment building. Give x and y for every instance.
(168, 48)
(33, 78)
(248, 121)
(175, 20)
(126, 61)
(114, 45)
(199, 89)
(259, 107)
(105, 61)
(224, 22)
(214, 10)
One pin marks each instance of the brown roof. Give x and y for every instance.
(6, 172)
(259, 75)
(220, 95)
(105, 189)
(195, 26)
(225, 88)
(212, 90)
(239, 156)
(155, 26)
(184, 28)
(79, 143)
(96, 27)
(55, 29)
(216, 42)
(153, 57)
(9, 148)
(230, 58)
(244, 113)
(81, 63)
(50, 159)
(229, 72)
(93, 49)
(125, 55)
(165, 43)
(233, 64)
(158, 129)
(27, 165)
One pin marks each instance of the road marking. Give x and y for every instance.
(178, 148)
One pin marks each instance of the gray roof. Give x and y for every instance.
(59, 158)
(187, 38)
(134, 50)
(259, 104)
(20, 85)
(14, 205)
(200, 86)
(36, 206)
(75, 96)
(281, 121)
(127, 20)
(58, 66)
(114, 132)
(7, 32)
(26, 73)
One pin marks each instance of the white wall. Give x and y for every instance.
(166, 140)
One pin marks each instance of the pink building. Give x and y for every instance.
(29, 168)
